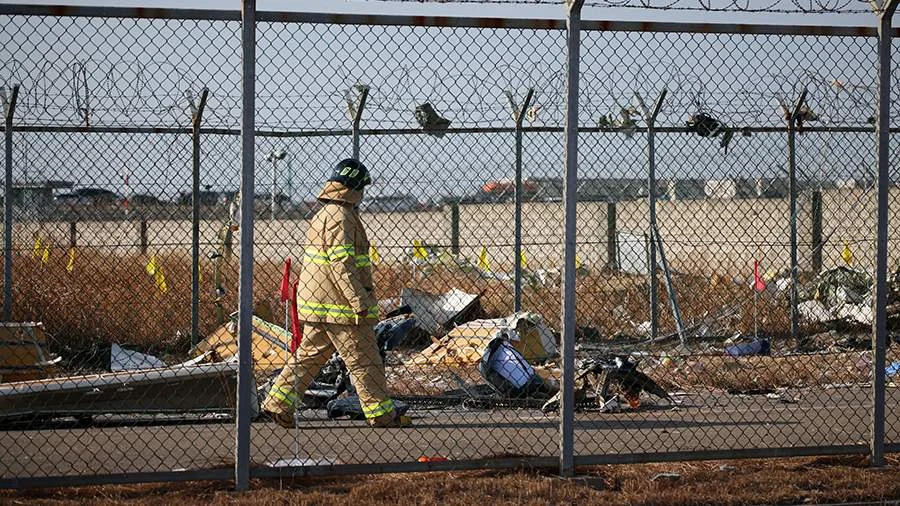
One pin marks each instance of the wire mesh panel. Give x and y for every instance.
(102, 247)
(723, 289)
(725, 370)
(437, 217)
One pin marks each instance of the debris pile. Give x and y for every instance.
(839, 294)
(466, 343)
(22, 353)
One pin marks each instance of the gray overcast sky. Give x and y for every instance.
(495, 10)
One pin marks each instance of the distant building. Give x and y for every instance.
(592, 190)
(682, 189)
(35, 199)
(737, 188)
(772, 187)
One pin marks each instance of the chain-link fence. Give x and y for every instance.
(738, 161)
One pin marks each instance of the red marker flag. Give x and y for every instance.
(286, 281)
(758, 284)
(296, 327)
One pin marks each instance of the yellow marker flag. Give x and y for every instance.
(373, 255)
(70, 266)
(155, 271)
(523, 260)
(483, 262)
(847, 254)
(419, 252)
(577, 262)
(45, 256)
(151, 266)
(36, 250)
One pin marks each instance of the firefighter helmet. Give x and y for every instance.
(351, 173)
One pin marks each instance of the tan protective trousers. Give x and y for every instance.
(357, 346)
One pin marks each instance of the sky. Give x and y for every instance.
(508, 10)
(138, 76)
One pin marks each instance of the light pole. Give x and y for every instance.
(274, 156)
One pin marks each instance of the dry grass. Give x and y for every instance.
(762, 372)
(765, 481)
(110, 298)
(680, 373)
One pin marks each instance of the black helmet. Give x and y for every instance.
(351, 173)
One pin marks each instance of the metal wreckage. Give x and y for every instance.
(482, 364)
(509, 380)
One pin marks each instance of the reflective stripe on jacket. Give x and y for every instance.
(336, 277)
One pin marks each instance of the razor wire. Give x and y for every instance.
(774, 6)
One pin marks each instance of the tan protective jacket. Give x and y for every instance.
(336, 278)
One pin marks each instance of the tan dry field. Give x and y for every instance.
(701, 236)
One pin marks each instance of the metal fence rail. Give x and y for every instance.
(737, 160)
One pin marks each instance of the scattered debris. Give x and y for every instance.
(616, 371)
(758, 346)
(439, 313)
(610, 406)
(436, 458)
(431, 122)
(199, 388)
(814, 311)
(666, 477)
(466, 343)
(891, 370)
(507, 371)
(842, 293)
(705, 125)
(783, 396)
(305, 461)
(22, 355)
(270, 345)
(121, 359)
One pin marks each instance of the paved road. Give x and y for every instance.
(701, 421)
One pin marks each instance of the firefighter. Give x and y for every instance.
(337, 304)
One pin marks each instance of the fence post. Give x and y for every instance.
(650, 118)
(792, 116)
(454, 227)
(196, 119)
(817, 231)
(10, 110)
(612, 262)
(357, 116)
(570, 184)
(882, 134)
(245, 383)
(519, 115)
(142, 237)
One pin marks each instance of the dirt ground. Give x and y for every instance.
(765, 481)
